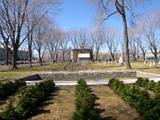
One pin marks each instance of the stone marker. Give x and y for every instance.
(154, 63)
(120, 60)
(150, 64)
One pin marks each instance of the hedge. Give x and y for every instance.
(139, 99)
(148, 84)
(9, 88)
(85, 103)
(28, 100)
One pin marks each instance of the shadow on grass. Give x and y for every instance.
(100, 110)
(108, 118)
(105, 118)
(49, 100)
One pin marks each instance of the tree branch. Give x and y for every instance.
(132, 13)
(110, 15)
(104, 5)
(118, 7)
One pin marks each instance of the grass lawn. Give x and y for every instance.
(25, 70)
(61, 106)
(145, 67)
(11, 75)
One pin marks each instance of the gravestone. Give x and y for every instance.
(120, 60)
(154, 63)
(150, 64)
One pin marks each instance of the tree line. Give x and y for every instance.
(28, 23)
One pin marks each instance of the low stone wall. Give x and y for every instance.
(86, 75)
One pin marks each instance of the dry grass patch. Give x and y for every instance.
(112, 106)
(60, 107)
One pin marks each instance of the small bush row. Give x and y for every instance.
(148, 84)
(27, 101)
(9, 88)
(139, 99)
(85, 103)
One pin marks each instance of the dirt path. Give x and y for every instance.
(59, 107)
(112, 106)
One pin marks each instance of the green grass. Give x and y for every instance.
(145, 67)
(11, 75)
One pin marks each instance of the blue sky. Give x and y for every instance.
(75, 13)
(79, 13)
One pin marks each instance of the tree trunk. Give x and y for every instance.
(126, 41)
(40, 58)
(30, 55)
(113, 58)
(63, 56)
(97, 53)
(156, 57)
(14, 57)
(52, 57)
(144, 56)
(30, 42)
(134, 57)
(40, 61)
(56, 57)
(6, 56)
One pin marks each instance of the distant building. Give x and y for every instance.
(22, 55)
(81, 55)
(150, 56)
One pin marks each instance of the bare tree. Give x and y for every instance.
(109, 8)
(72, 35)
(5, 42)
(142, 45)
(12, 13)
(80, 38)
(112, 42)
(13, 16)
(40, 40)
(63, 43)
(136, 36)
(98, 37)
(30, 23)
(151, 29)
(133, 44)
(53, 42)
(37, 10)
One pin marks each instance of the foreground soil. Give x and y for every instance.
(61, 105)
